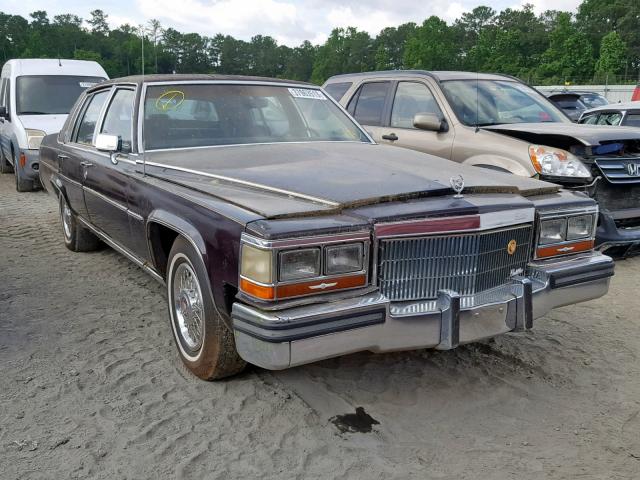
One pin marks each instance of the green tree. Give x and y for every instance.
(613, 55)
(346, 50)
(389, 46)
(431, 46)
(98, 22)
(569, 55)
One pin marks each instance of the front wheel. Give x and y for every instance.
(205, 344)
(22, 184)
(5, 166)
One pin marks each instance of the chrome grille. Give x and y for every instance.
(620, 169)
(417, 268)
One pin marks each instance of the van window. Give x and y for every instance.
(118, 119)
(370, 103)
(50, 94)
(337, 90)
(411, 99)
(87, 124)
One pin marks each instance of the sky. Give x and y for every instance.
(289, 21)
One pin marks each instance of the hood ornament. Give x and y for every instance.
(457, 184)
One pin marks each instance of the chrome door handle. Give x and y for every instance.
(62, 157)
(86, 164)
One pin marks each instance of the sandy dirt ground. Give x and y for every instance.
(91, 387)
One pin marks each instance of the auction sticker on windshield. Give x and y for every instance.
(87, 84)
(307, 93)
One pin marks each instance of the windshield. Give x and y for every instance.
(494, 102)
(50, 94)
(186, 115)
(592, 100)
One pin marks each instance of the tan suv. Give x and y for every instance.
(498, 122)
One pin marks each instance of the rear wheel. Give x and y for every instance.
(205, 344)
(5, 166)
(76, 237)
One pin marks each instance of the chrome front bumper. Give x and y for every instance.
(295, 336)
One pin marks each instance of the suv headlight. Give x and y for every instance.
(34, 138)
(555, 162)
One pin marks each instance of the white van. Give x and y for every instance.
(36, 96)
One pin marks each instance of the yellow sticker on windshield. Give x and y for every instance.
(170, 100)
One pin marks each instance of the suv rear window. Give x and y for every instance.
(337, 90)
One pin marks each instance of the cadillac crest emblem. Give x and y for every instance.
(457, 184)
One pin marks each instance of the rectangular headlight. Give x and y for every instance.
(299, 264)
(344, 258)
(256, 264)
(552, 231)
(580, 226)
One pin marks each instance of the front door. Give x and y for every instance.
(411, 99)
(107, 175)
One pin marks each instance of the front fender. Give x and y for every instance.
(180, 225)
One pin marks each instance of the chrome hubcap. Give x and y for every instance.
(66, 220)
(187, 306)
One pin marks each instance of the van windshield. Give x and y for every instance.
(50, 94)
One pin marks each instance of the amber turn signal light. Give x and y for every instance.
(565, 249)
(262, 292)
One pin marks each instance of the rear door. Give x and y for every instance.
(107, 176)
(412, 98)
(370, 107)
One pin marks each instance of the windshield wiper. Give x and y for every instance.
(35, 113)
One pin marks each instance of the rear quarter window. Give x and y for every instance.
(337, 90)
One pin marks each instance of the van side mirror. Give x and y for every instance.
(430, 122)
(3, 112)
(109, 143)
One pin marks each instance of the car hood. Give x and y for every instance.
(588, 135)
(47, 123)
(279, 180)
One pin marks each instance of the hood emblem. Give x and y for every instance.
(633, 169)
(457, 184)
(511, 247)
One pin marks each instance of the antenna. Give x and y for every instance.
(477, 99)
(59, 63)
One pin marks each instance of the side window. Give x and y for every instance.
(119, 117)
(411, 99)
(89, 118)
(612, 118)
(589, 119)
(3, 86)
(633, 120)
(370, 103)
(337, 90)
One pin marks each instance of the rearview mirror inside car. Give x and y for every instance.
(430, 121)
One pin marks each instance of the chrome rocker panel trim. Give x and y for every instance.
(296, 336)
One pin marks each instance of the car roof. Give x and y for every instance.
(157, 78)
(55, 66)
(615, 106)
(438, 75)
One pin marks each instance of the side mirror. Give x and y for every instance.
(3, 112)
(430, 122)
(108, 143)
